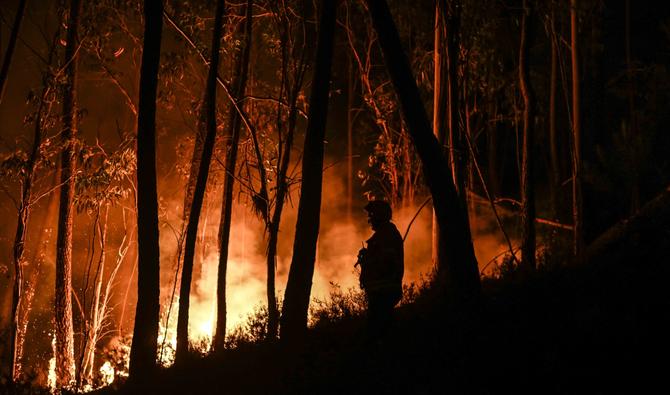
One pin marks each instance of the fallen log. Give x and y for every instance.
(654, 216)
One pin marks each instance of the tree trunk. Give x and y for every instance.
(241, 74)
(65, 366)
(457, 152)
(440, 89)
(96, 312)
(351, 92)
(19, 250)
(16, 334)
(555, 177)
(145, 333)
(527, 190)
(298, 287)
(209, 124)
(577, 215)
(457, 269)
(282, 185)
(9, 53)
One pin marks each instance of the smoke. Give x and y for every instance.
(340, 238)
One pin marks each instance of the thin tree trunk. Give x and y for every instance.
(65, 366)
(16, 334)
(577, 216)
(469, 158)
(145, 333)
(273, 227)
(457, 269)
(282, 185)
(456, 142)
(351, 91)
(209, 124)
(492, 148)
(298, 287)
(9, 53)
(527, 190)
(553, 137)
(19, 249)
(241, 75)
(96, 313)
(440, 89)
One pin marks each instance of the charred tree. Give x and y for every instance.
(577, 212)
(240, 83)
(145, 333)
(65, 366)
(298, 287)
(9, 53)
(527, 190)
(457, 269)
(208, 122)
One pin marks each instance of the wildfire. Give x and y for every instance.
(51, 377)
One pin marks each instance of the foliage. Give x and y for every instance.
(252, 331)
(339, 305)
(108, 182)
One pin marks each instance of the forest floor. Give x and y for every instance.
(598, 327)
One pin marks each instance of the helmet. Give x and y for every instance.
(379, 210)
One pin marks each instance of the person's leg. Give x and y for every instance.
(375, 315)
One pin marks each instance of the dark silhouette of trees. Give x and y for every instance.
(27, 180)
(65, 366)
(294, 63)
(9, 53)
(555, 168)
(527, 149)
(440, 100)
(208, 123)
(457, 270)
(298, 287)
(145, 333)
(239, 87)
(577, 208)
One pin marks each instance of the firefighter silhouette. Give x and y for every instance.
(382, 267)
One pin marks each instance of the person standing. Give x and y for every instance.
(382, 268)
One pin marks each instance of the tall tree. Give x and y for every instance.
(527, 191)
(27, 180)
(145, 332)
(457, 269)
(457, 149)
(240, 83)
(208, 122)
(351, 93)
(298, 287)
(294, 64)
(65, 366)
(9, 53)
(440, 102)
(555, 176)
(577, 212)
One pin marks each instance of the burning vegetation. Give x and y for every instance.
(187, 179)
